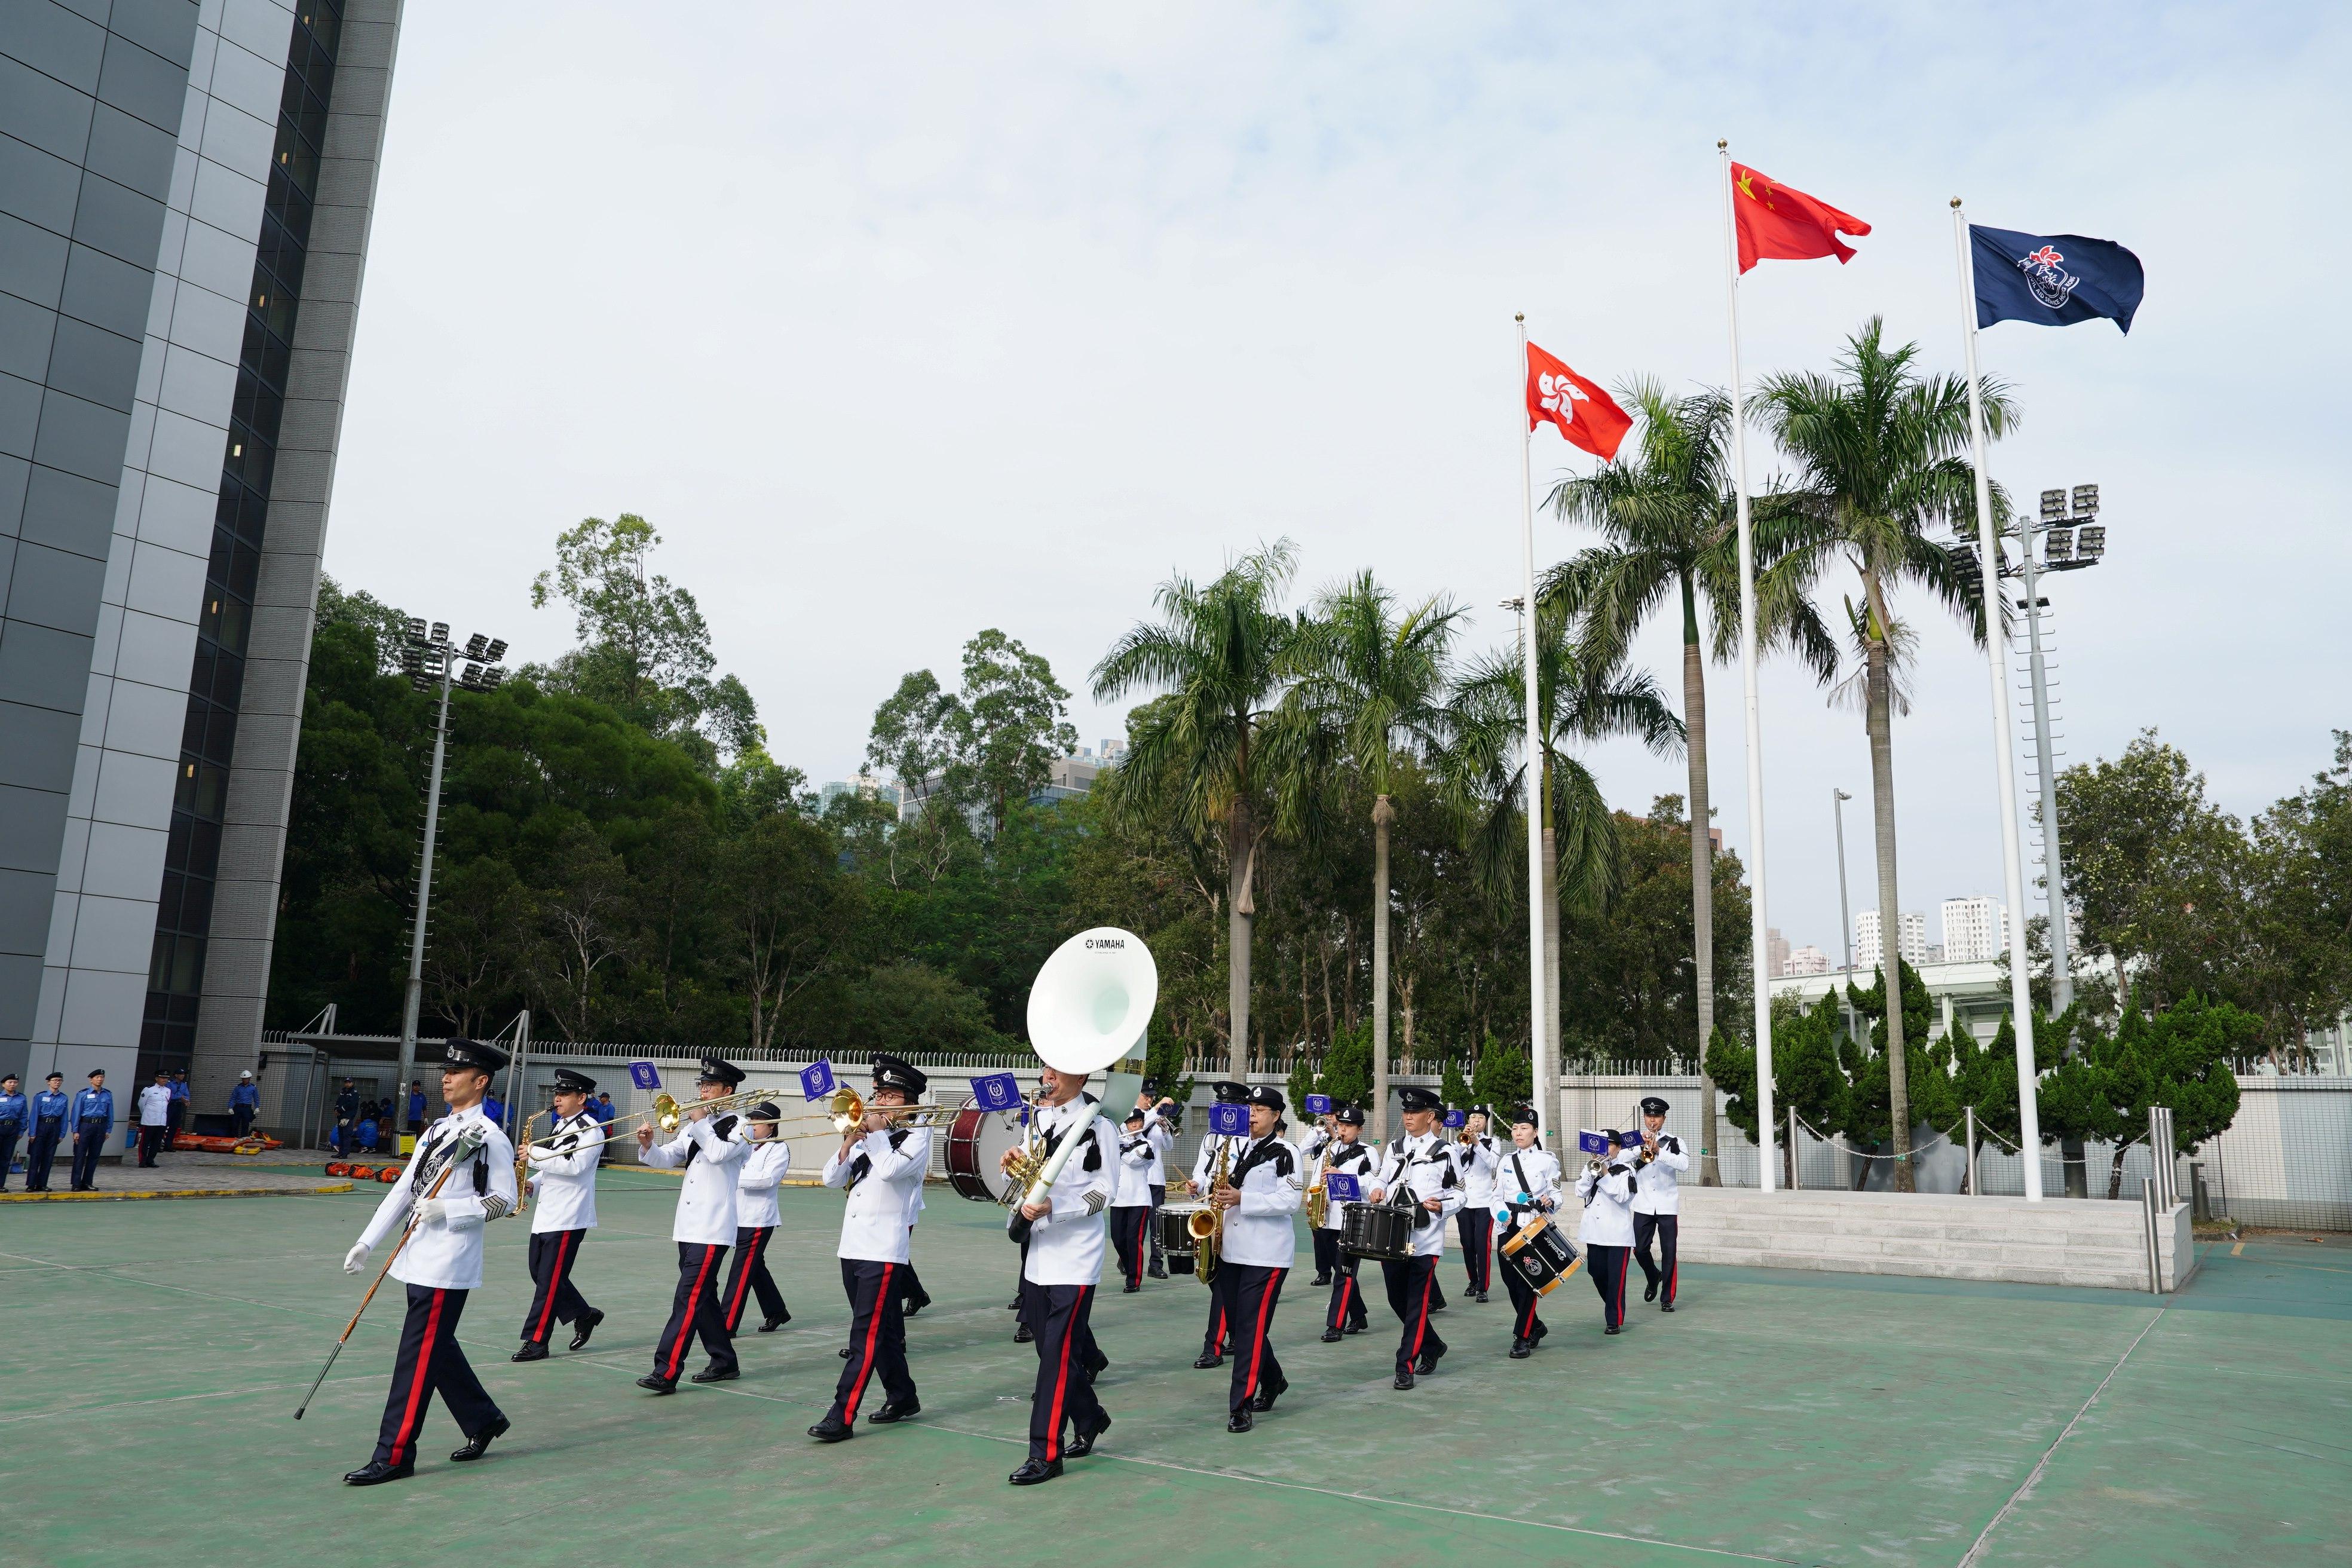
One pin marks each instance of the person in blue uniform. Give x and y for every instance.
(244, 1103)
(176, 1116)
(13, 1113)
(47, 1120)
(415, 1119)
(91, 1119)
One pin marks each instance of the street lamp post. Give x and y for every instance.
(431, 660)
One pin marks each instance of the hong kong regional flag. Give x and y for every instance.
(1777, 224)
(1584, 413)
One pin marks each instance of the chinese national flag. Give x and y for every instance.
(1584, 413)
(1777, 224)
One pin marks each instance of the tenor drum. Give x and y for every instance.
(1376, 1230)
(978, 1142)
(1176, 1240)
(1540, 1253)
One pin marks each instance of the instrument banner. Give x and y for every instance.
(1591, 1142)
(1457, 1117)
(645, 1075)
(817, 1080)
(1229, 1121)
(1342, 1188)
(1318, 1105)
(996, 1092)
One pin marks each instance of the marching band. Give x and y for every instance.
(1104, 1193)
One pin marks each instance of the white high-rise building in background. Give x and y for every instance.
(1775, 951)
(1976, 930)
(1910, 939)
(1807, 960)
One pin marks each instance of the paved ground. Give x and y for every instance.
(190, 1175)
(1787, 1417)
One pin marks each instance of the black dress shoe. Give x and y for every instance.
(657, 1382)
(719, 1375)
(1241, 1420)
(584, 1327)
(769, 1325)
(1357, 1328)
(1208, 1361)
(1095, 1363)
(1267, 1393)
(1482, 1298)
(1157, 1271)
(1022, 1336)
(480, 1443)
(1541, 1331)
(1403, 1379)
(845, 1352)
(1650, 1291)
(1082, 1443)
(830, 1431)
(531, 1351)
(1331, 1336)
(1032, 1471)
(1521, 1350)
(1666, 1307)
(1320, 1280)
(375, 1472)
(1013, 1305)
(1612, 1329)
(1428, 1361)
(896, 1410)
(1129, 1289)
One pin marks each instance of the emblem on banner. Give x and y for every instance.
(2051, 283)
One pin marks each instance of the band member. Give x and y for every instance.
(880, 1164)
(12, 1123)
(1130, 1206)
(48, 1112)
(1063, 1261)
(1314, 1140)
(1217, 1338)
(1606, 1187)
(1262, 1191)
(564, 1181)
(460, 1178)
(1348, 1152)
(1421, 1163)
(763, 1169)
(1159, 1127)
(1658, 1205)
(704, 1229)
(1526, 1182)
(1477, 1153)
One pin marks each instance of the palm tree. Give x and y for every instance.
(1214, 758)
(1486, 775)
(1668, 512)
(1375, 683)
(1879, 450)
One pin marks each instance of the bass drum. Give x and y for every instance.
(978, 1142)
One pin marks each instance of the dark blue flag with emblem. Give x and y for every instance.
(2054, 279)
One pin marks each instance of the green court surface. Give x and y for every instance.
(156, 1352)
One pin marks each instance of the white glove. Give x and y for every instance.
(432, 1211)
(356, 1258)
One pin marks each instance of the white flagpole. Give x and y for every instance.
(1539, 983)
(1759, 955)
(2012, 861)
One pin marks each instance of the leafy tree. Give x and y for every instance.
(583, 931)
(1878, 453)
(1453, 1086)
(788, 910)
(1015, 714)
(1505, 1079)
(1346, 1074)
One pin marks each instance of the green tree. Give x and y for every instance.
(1504, 1079)
(1346, 1075)
(789, 912)
(1375, 679)
(1213, 759)
(1452, 1085)
(1016, 715)
(1878, 449)
(1668, 513)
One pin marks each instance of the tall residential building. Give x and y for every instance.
(1807, 960)
(1976, 930)
(1910, 939)
(185, 192)
(1775, 951)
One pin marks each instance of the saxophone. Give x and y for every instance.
(1208, 1225)
(1318, 1202)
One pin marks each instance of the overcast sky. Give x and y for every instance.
(900, 322)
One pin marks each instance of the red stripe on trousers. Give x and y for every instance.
(751, 1255)
(1347, 1282)
(1421, 1326)
(873, 1334)
(1062, 1377)
(1617, 1307)
(1529, 1321)
(693, 1311)
(1673, 1272)
(554, 1287)
(1257, 1340)
(418, 1384)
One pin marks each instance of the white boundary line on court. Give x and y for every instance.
(1976, 1553)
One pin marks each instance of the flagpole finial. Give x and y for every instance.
(1518, 315)
(1721, 144)
(1955, 202)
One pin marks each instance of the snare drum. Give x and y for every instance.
(1176, 1232)
(977, 1144)
(1376, 1230)
(1540, 1253)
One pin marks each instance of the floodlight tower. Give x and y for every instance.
(431, 660)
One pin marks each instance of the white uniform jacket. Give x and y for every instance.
(756, 1178)
(1660, 1179)
(710, 1151)
(884, 1175)
(447, 1255)
(1136, 1156)
(1270, 1177)
(1477, 1159)
(1357, 1159)
(1426, 1165)
(1164, 1139)
(1066, 1246)
(154, 1106)
(1312, 1141)
(1525, 1181)
(1608, 1198)
(1207, 1158)
(563, 1178)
